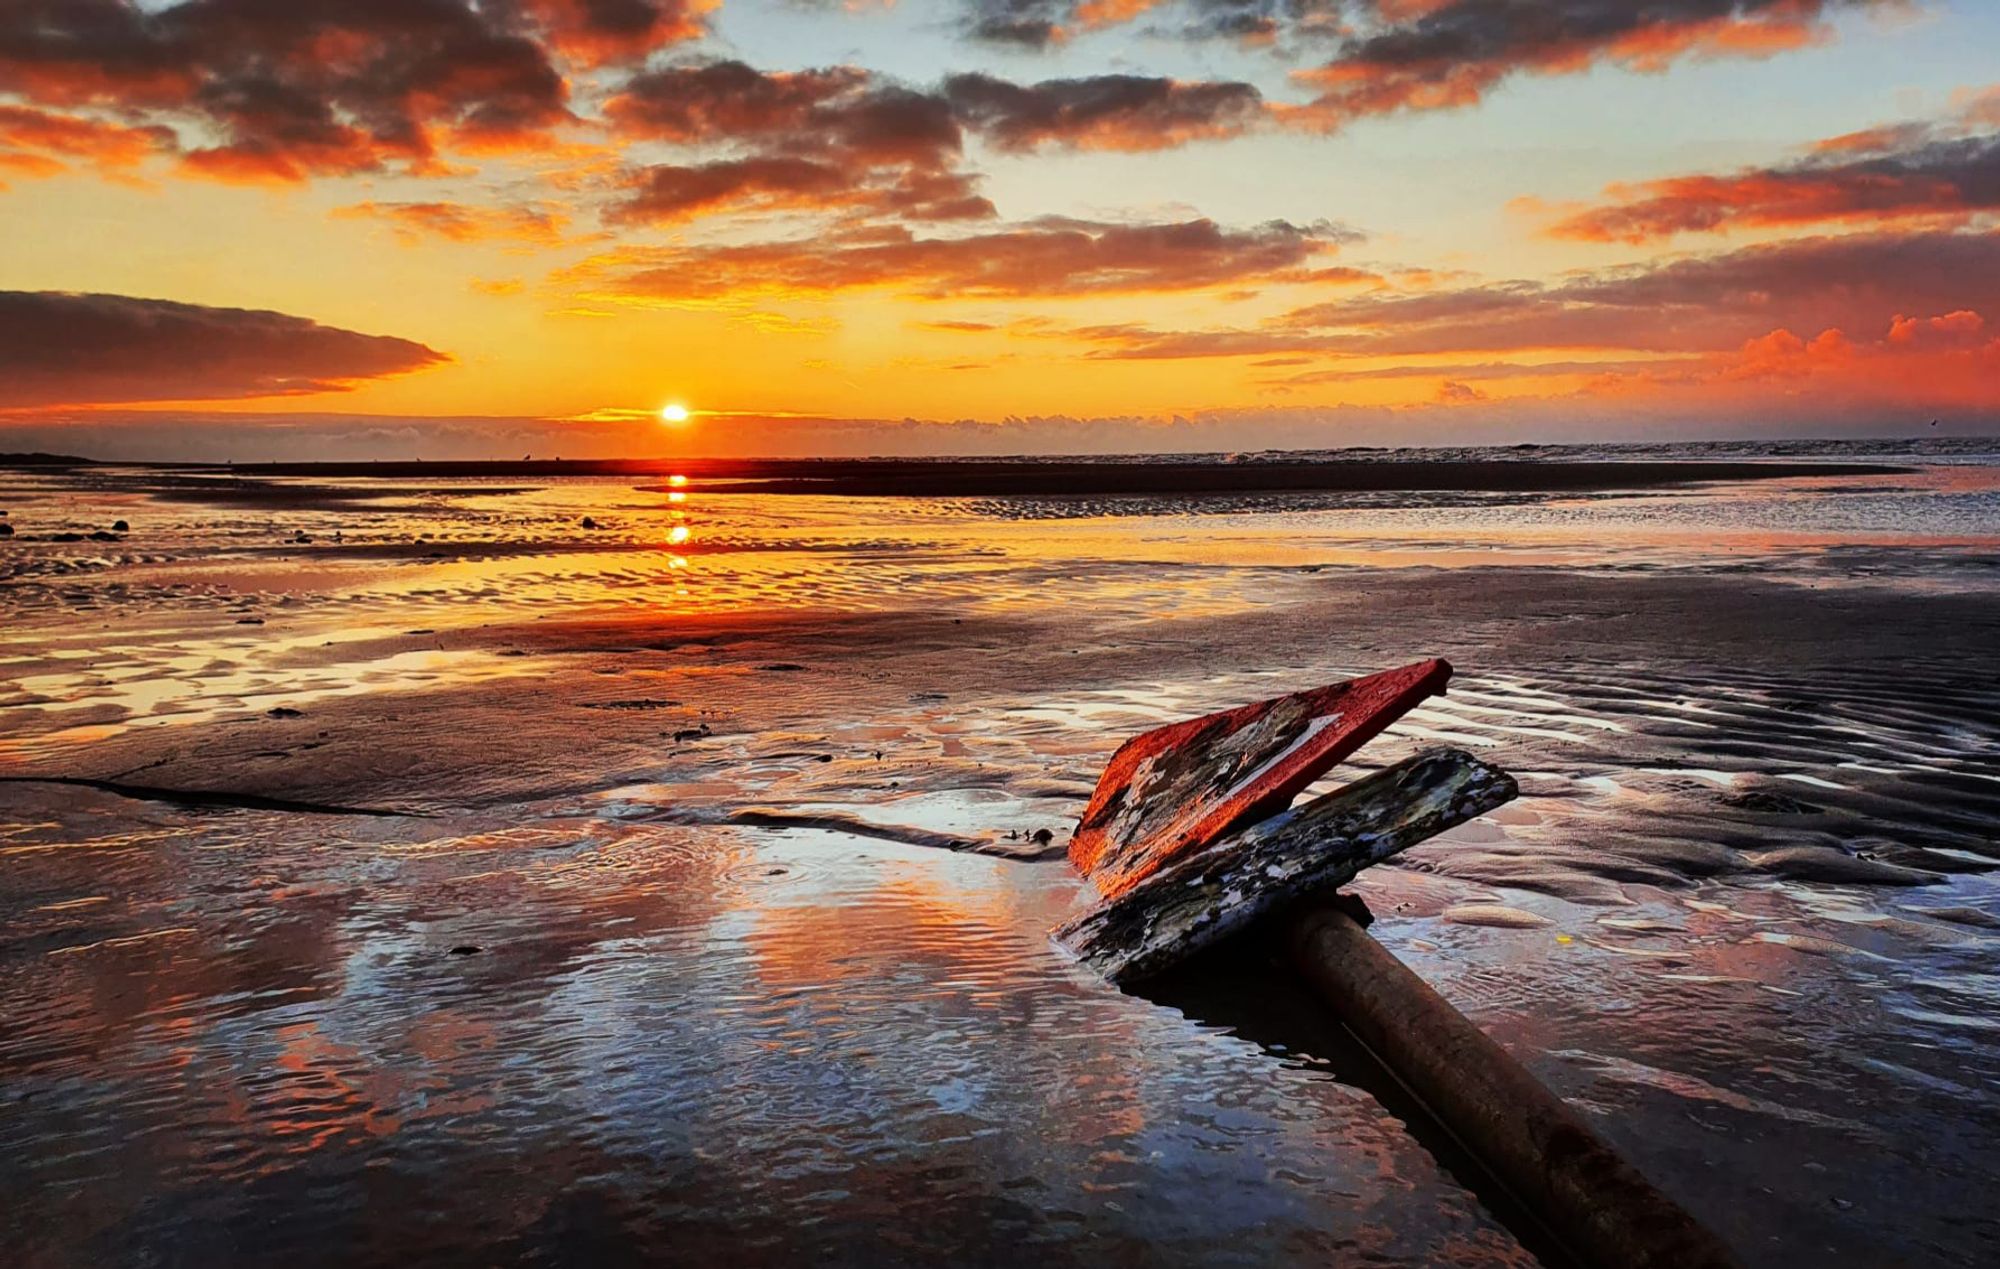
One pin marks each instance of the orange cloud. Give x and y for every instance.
(1782, 354)
(1096, 13)
(462, 222)
(1961, 327)
(30, 165)
(594, 33)
(1911, 171)
(1940, 363)
(1888, 137)
(36, 142)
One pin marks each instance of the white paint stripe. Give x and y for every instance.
(1313, 728)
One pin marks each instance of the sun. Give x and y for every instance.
(675, 413)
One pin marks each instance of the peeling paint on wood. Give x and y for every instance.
(1180, 788)
(1310, 850)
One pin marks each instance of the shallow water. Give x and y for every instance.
(1764, 965)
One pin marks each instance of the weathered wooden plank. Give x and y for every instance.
(1177, 789)
(1311, 849)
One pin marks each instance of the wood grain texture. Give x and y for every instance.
(1176, 789)
(1309, 850)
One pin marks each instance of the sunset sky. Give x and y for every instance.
(446, 228)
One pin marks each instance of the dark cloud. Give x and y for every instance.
(849, 110)
(840, 139)
(1413, 55)
(1052, 257)
(831, 140)
(1385, 56)
(1298, 23)
(1391, 55)
(263, 90)
(728, 100)
(1882, 175)
(58, 348)
(1041, 24)
(1026, 24)
(1103, 112)
(669, 193)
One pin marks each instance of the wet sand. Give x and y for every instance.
(1522, 472)
(704, 920)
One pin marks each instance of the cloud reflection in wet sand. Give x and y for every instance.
(794, 1038)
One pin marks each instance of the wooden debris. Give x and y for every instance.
(1204, 897)
(1180, 788)
(1597, 1206)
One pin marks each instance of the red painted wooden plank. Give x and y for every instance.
(1181, 787)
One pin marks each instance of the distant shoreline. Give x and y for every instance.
(987, 479)
(951, 477)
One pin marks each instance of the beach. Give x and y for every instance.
(511, 864)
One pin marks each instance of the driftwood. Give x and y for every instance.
(1599, 1208)
(1174, 790)
(1309, 850)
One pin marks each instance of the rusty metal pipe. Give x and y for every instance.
(1594, 1203)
